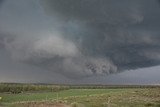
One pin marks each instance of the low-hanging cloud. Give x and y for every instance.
(79, 38)
(58, 55)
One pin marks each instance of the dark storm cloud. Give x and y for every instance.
(108, 28)
(79, 38)
(1, 1)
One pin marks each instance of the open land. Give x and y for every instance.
(79, 96)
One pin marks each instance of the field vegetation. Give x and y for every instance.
(78, 96)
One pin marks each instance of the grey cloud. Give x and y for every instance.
(1, 1)
(109, 28)
(83, 37)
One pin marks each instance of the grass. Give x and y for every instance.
(10, 98)
(134, 97)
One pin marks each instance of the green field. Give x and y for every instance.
(121, 97)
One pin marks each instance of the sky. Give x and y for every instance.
(80, 41)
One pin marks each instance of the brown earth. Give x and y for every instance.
(61, 105)
(43, 105)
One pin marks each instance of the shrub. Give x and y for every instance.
(149, 105)
(74, 104)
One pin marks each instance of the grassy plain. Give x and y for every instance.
(121, 97)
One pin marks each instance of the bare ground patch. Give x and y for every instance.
(42, 104)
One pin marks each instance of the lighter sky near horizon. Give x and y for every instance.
(78, 42)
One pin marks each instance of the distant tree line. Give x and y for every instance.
(112, 86)
(20, 88)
